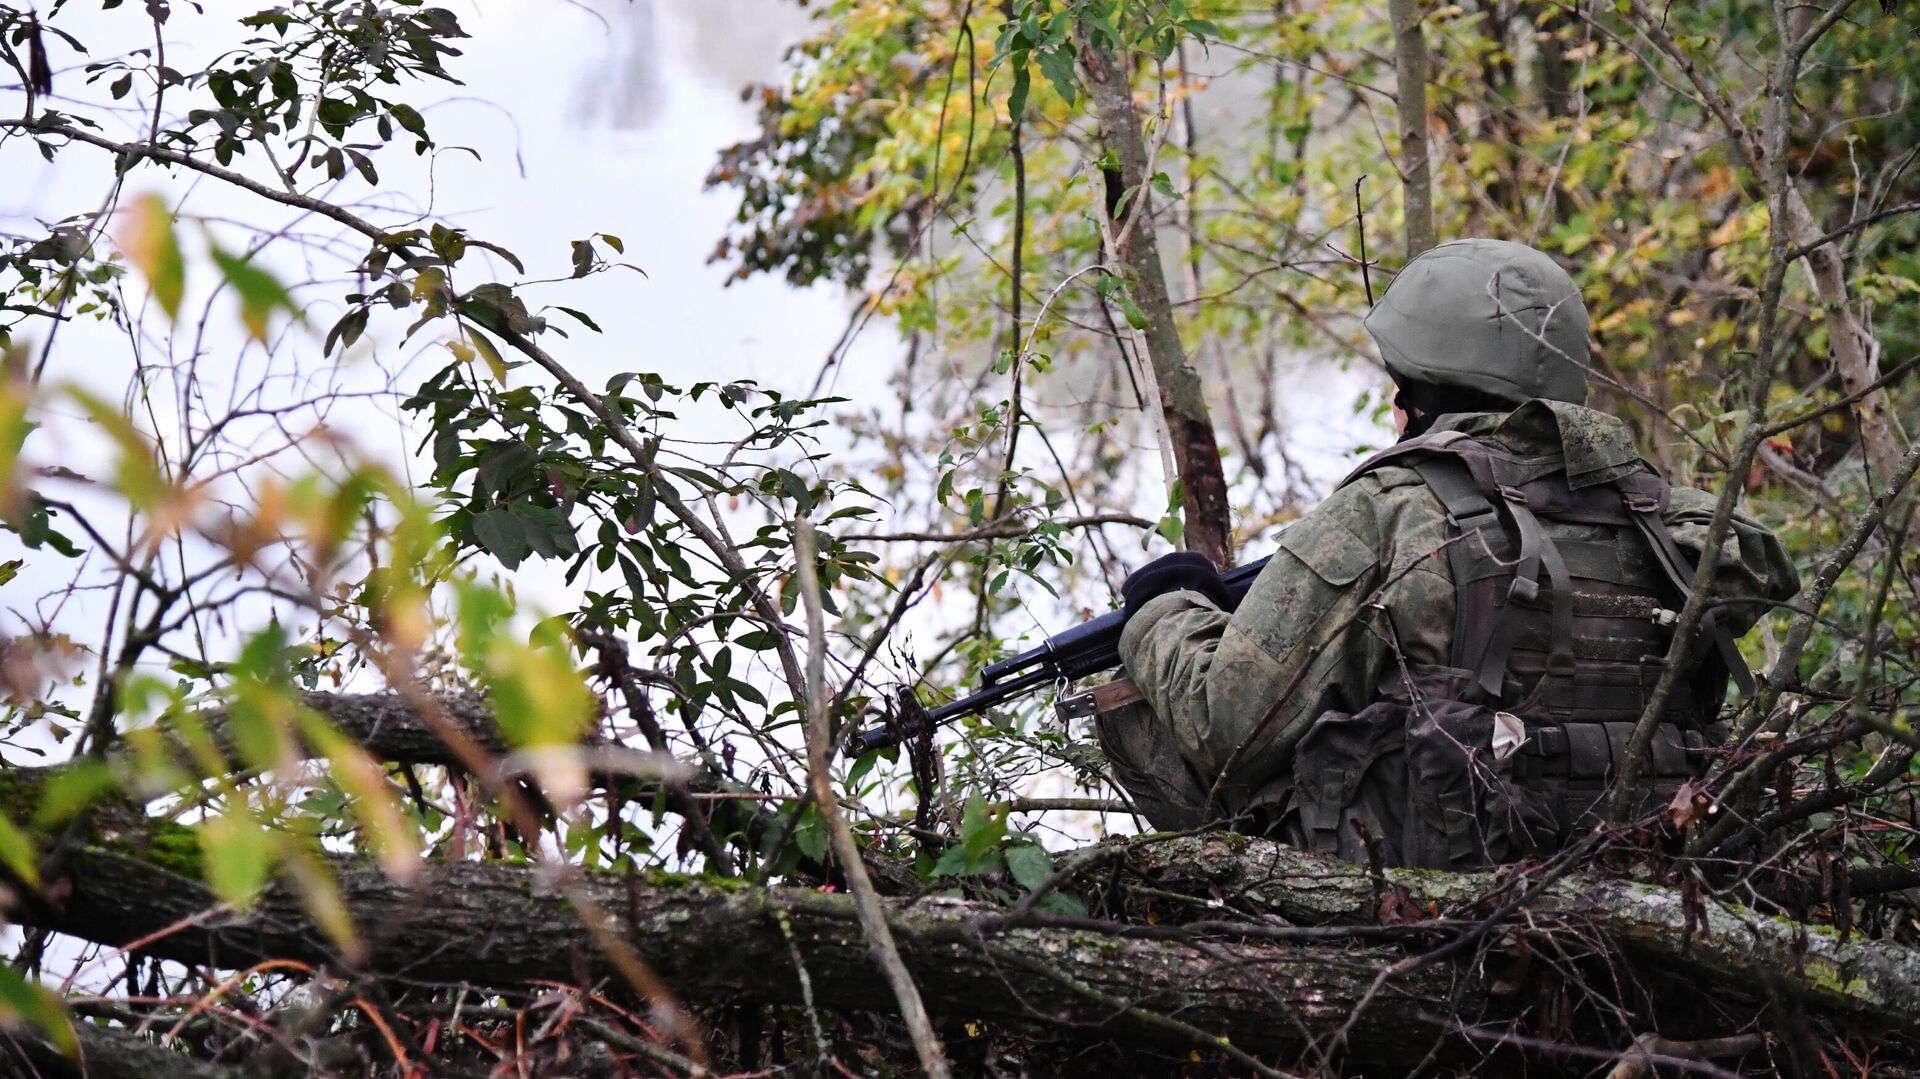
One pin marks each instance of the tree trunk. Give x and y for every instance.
(1416, 174)
(1700, 941)
(110, 1053)
(497, 925)
(1189, 425)
(1280, 979)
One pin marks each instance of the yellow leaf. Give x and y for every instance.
(321, 896)
(373, 800)
(138, 476)
(14, 428)
(404, 617)
(148, 239)
(495, 363)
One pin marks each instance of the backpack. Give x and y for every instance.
(1565, 598)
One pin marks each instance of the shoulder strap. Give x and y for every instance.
(1483, 639)
(1432, 442)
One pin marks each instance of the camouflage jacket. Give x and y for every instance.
(1310, 636)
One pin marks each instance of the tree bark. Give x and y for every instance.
(496, 925)
(1856, 355)
(1416, 173)
(1183, 403)
(1270, 983)
(1730, 947)
(111, 1053)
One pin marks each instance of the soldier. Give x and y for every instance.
(1446, 657)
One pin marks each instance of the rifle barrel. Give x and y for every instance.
(1088, 648)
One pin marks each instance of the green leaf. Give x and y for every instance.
(494, 306)
(35, 1004)
(758, 640)
(372, 798)
(1022, 82)
(409, 118)
(548, 531)
(503, 536)
(236, 857)
(1172, 527)
(1134, 316)
(1068, 906)
(70, 790)
(952, 863)
(17, 852)
(259, 291)
(1029, 864)
(860, 769)
(810, 835)
(496, 365)
(981, 828)
(346, 331)
(1057, 65)
(513, 260)
(580, 317)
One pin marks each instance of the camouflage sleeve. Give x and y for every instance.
(1243, 687)
(1753, 564)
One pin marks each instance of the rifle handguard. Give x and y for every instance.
(1088, 648)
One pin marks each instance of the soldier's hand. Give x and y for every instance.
(1180, 571)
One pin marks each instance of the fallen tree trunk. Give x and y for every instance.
(497, 925)
(1286, 980)
(112, 1053)
(1873, 983)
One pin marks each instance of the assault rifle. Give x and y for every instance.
(1088, 648)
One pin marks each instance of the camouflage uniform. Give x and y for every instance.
(1357, 587)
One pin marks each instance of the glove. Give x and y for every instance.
(1180, 571)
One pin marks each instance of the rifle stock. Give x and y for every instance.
(1088, 648)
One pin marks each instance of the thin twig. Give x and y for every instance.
(866, 902)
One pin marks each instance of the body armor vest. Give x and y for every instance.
(1565, 599)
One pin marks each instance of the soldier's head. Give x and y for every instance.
(1481, 325)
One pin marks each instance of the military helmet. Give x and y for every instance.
(1493, 317)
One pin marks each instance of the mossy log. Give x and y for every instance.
(1706, 941)
(714, 942)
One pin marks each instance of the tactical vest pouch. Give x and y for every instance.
(1466, 808)
(1450, 784)
(1573, 766)
(1347, 769)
